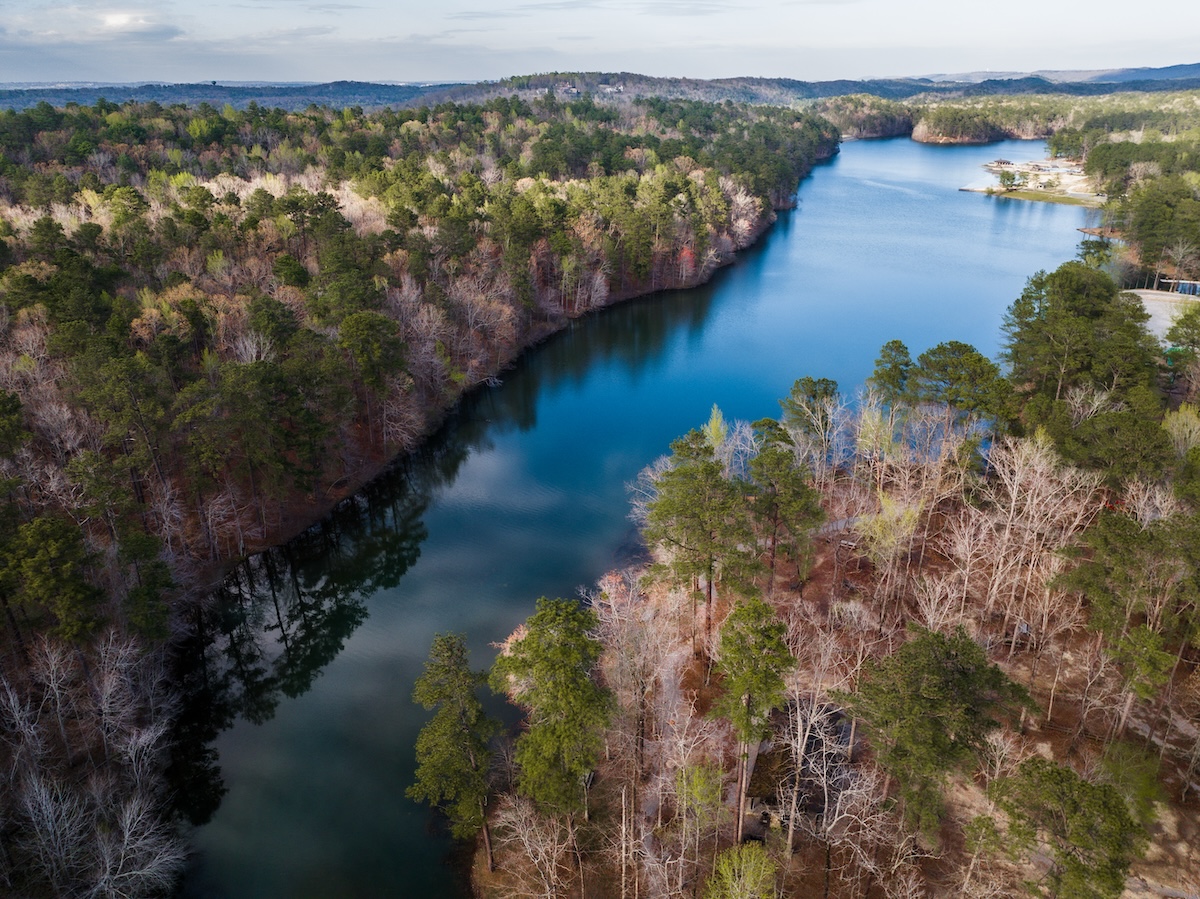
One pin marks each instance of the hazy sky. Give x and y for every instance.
(439, 40)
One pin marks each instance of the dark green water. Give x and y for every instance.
(300, 731)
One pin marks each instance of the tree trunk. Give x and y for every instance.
(741, 789)
(1053, 689)
(791, 832)
(695, 649)
(640, 755)
(578, 859)
(828, 867)
(708, 601)
(487, 839)
(774, 548)
(12, 623)
(624, 841)
(1125, 710)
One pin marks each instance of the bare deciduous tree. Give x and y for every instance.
(56, 833)
(534, 849)
(937, 605)
(1038, 506)
(139, 856)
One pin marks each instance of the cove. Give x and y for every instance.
(296, 742)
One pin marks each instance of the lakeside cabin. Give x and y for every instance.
(1191, 288)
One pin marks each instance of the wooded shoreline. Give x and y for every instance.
(219, 324)
(351, 484)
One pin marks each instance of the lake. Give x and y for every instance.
(297, 740)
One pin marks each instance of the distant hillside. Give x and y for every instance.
(744, 90)
(784, 91)
(1073, 76)
(1191, 71)
(336, 94)
(1033, 84)
(611, 86)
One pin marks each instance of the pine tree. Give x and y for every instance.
(929, 707)
(549, 672)
(753, 660)
(452, 749)
(782, 499)
(1086, 827)
(700, 518)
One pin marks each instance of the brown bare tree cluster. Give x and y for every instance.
(1078, 589)
(83, 790)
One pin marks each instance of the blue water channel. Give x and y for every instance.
(298, 738)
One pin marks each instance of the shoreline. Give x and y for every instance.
(302, 515)
(1044, 180)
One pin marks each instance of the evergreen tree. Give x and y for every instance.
(929, 707)
(46, 571)
(12, 424)
(805, 406)
(549, 671)
(1086, 828)
(1073, 327)
(957, 375)
(452, 749)
(1141, 583)
(753, 661)
(700, 518)
(781, 498)
(890, 376)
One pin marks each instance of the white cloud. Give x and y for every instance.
(65, 25)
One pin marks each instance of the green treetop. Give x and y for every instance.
(1086, 828)
(890, 375)
(452, 749)
(699, 516)
(782, 499)
(752, 663)
(549, 671)
(929, 707)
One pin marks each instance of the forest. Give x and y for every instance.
(938, 637)
(216, 323)
(1073, 124)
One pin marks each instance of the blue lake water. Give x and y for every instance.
(299, 735)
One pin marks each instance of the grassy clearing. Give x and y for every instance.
(1046, 197)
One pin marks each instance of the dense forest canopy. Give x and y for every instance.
(184, 274)
(1073, 124)
(979, 676)
(936, 639)
(216, 322)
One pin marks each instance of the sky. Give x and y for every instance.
(474, 40)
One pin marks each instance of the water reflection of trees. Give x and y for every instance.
(282, 616)
(633, 336)
(285, 614)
